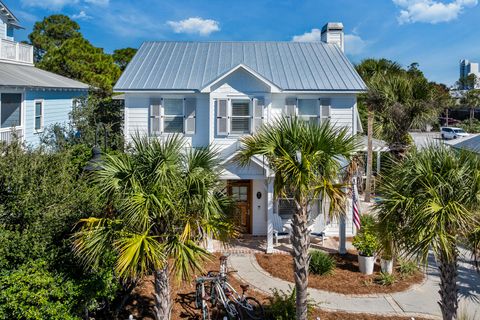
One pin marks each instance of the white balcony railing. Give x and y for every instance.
(9, 134)
(16, 51)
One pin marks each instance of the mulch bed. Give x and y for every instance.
(345, 279)
(141, 302)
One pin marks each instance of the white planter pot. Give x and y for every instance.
(387, 266)
(366, 264)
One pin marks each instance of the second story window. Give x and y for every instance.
(311, 110)
(171, 115)
(239, 116)
(38, 115)
(10, 110)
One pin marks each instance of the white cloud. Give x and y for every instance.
(48, 4)
(431, 11)
(354, 44)
(82, 15)
(195, 25)
(98, 2)
(314, 35)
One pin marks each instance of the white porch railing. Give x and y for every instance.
(16, 51)
(8, 134)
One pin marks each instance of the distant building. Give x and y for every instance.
(467, 68)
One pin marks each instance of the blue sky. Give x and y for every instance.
(434, 33)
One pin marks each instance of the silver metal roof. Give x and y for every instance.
(17, 75)
(471, 143)
(192, 65)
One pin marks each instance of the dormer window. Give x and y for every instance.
(239, 116)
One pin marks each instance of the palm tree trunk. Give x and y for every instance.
(446, 118)
(368, 184)
(472, 115)
(448, 288)
(163, 301)
(301, 243)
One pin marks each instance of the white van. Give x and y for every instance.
(452, 133)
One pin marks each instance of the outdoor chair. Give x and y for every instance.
(279, 231)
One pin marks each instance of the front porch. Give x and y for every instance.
(8, 135)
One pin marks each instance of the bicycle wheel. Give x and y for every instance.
(253, 308)
(233, 311)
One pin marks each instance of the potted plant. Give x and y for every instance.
(366, 243)
(386, 263)
(386, 236)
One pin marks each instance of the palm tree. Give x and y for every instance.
(471, 99)
(306, 161)
(165, 200)
(373, 70)
(432, 198)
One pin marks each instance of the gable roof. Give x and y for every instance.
(291, 66)
(26, 76)
(9, 16)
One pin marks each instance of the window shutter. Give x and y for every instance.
(155, 116)
(325, 109)
(290, 107)
(258, 113)
(190, 115)
(222, 117)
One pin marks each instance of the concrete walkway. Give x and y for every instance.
(418, 301)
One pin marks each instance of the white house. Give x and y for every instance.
(215, 92)
(31, 99)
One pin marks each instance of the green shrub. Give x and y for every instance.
(282, 305)
(368, 223)
(385, 279)
(366, 243)
(32, 292)
(321, 263)
(407, 268)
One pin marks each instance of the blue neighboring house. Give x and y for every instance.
(31, 99)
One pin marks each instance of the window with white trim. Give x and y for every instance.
(308, 110)
(172, 115)
(240, 119)
(38, 115)
(10, 110)
(311, 110)
(239, 116)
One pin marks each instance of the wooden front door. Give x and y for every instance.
(240, 191)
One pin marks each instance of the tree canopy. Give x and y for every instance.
(123, 56)
(78, 59)
(51, 33)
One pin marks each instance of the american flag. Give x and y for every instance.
(356, 205)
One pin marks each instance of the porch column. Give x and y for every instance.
(209, 243)
(342, 229)
(269, 248)
(378, 162)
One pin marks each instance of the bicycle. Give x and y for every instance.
(250, 305)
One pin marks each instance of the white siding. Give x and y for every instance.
(342, 106)
(3, 30)
(57, 106)
(137, 116)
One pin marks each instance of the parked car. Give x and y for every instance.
(452, 133)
